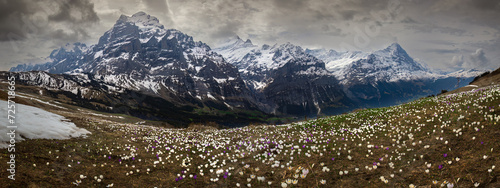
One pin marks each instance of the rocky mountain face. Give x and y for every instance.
(286, 77)
(139, 54)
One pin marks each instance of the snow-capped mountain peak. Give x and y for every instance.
(234, 43)
(140, 26)
(142, 20)
(248, 42)
(398, 56)
(394, 47)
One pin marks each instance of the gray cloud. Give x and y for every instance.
(429, 28)
(75, 11)
(348, 14)
(487, 5)
(477, 59)
(458, 60)
(11, 14)
(442, 51)
(408, 20)
(29, 30)
(70, 18)
(441, 42)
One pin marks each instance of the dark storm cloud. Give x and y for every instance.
(11, 13)
(348, 14)
(9, 7)
(29, 30)
(18, 19)
(487, 5)
(75, 11)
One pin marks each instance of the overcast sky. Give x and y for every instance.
(444, 34)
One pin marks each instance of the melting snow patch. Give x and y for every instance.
(220, 80)
(209, 95)
(35, 123)
(98, 54)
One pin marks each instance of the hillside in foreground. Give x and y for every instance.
(431, 142)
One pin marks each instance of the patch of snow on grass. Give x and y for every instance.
(35, 123)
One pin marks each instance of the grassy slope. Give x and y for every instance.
(400, 141)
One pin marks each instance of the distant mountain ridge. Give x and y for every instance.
(388, 76)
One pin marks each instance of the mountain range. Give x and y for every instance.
(138, 56)
(367, 79)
